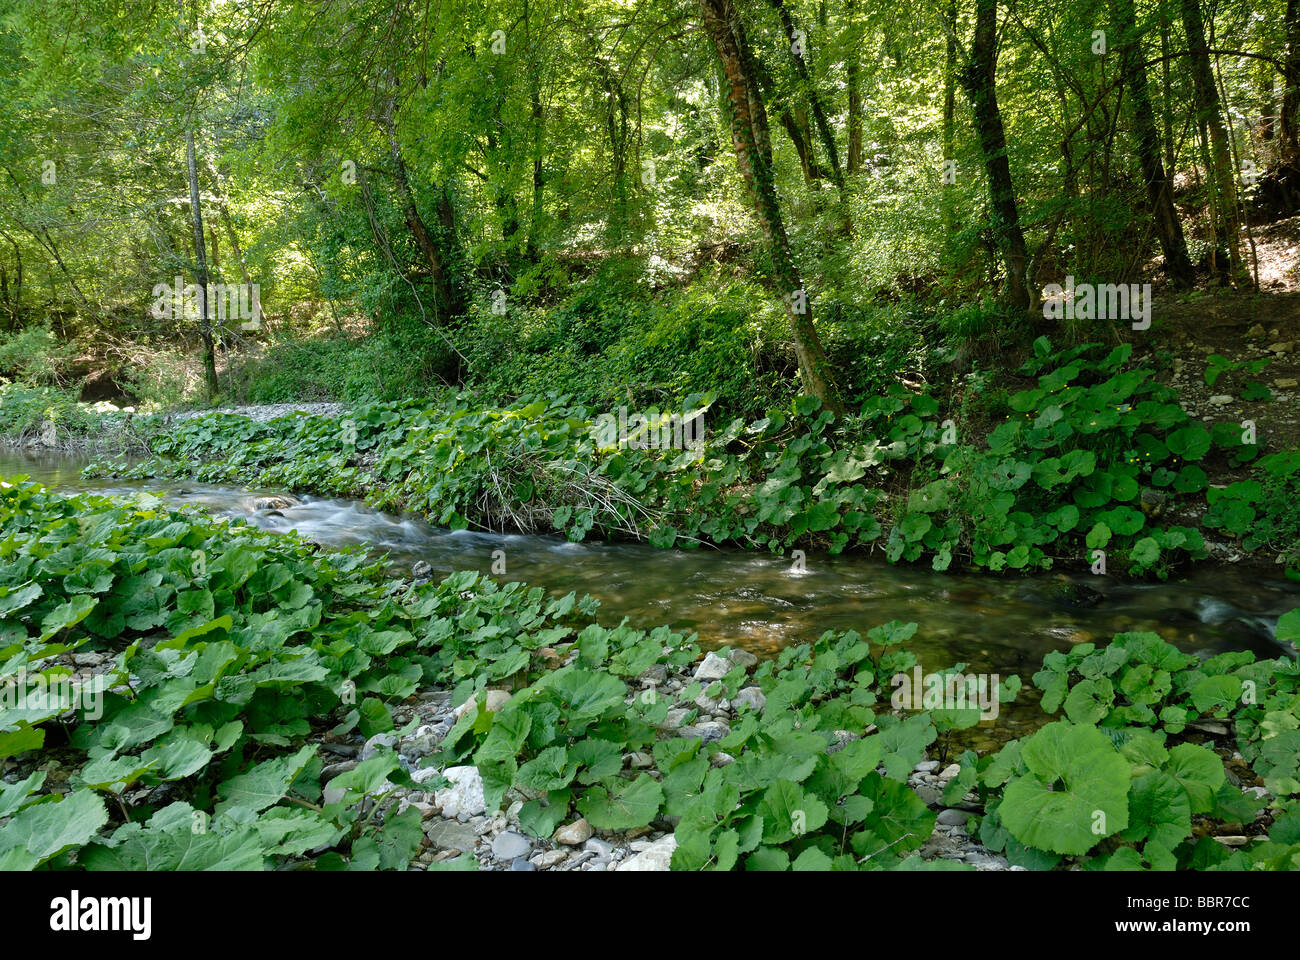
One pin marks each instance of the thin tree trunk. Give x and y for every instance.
(853, 70)
(449, 301)
(754, 160)
(824, 132)
(201, 267)
(1221, 175)
(1169, 230)
(978, 78)
(949, 122)
(1289, 127)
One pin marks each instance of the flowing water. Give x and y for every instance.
(758, 601)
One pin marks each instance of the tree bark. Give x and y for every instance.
(754, 160)
(201, 267)
(450, 303)
(1221, 175)
(1169, 230)
(978, 78)
(1289, 126)
(853, 71)
(949, 121)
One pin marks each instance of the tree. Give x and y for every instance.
(979, 80)
(750, 139)
(1168, 228)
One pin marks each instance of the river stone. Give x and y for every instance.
(601, 848)
(550, 858)
(928, 794)
(708, 732)
(674, 718)
(465, 795)
(953, 817)
(656, 857)
(520, 865)
(510, 846)
(950, 771)
(927, 766)
(451, 835)
(742, 658)
(575, 833)
(374, 744)
(493, 701)
(753, 696)
(712, 667)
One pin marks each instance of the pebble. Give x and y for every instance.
(709, 731)
(550, 858)
(1221, 399)
(953, 817)
(464, 796)
(510, 846)
(655, 857)
(572, 834)
(376, 743)
(752, 697)
(601, 848)
(950, 771)
(927, 766)
(712, 667)
(519, 864)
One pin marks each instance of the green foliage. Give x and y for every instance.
(1067, 471)
(229, 650)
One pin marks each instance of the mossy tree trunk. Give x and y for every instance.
(750, 138)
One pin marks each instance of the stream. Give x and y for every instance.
(758, 601)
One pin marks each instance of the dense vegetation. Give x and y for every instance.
(939, 282)
(226, 656)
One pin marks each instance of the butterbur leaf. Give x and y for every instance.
(1075, 794)
(625, 805)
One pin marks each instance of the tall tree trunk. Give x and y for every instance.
(1221, 175)
(949, 121)
(450, 303)
(853, 70)
(978, 78)
(201, 267)
(1290, 119)
(754, 160)
(824, 132)
(1168, 228)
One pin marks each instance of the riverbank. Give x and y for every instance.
(1082, 461)
(299, 705)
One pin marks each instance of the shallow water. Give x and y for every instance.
(758, 601)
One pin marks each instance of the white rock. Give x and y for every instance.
(752, 696)
(712, 667)
(655, 857)
(950, 771)
(464, 796)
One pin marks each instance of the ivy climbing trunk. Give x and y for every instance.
(1169, 230)
(749, 136)
(450, 302)
(978, 79)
